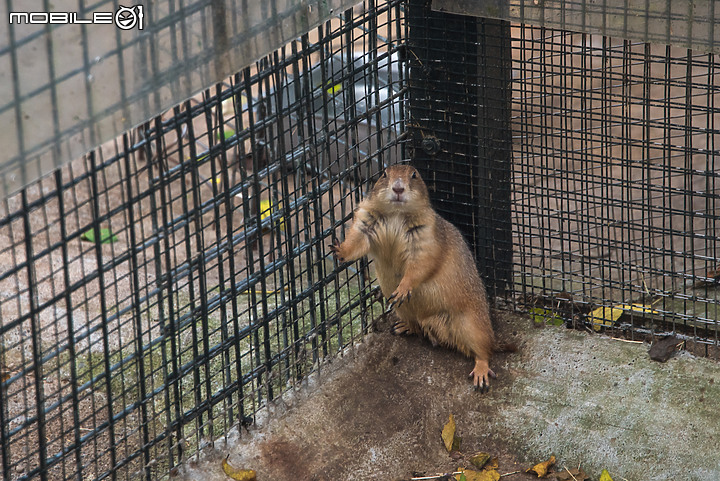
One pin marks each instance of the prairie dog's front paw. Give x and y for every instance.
(337, 249)
(401, 294)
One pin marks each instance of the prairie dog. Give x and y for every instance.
(424, 267)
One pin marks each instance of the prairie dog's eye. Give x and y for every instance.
(384, 174)
(414, 175)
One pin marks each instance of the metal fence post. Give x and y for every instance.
(460, 137)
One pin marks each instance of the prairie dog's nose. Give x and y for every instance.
(398, 187)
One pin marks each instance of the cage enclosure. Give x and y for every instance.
(170, 191)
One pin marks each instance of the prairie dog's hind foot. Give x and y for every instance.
(481, 375)
(402, 328)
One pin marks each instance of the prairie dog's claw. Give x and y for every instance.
(400, 328)
(398, 297)
(335, 249)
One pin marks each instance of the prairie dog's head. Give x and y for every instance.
(400, 187)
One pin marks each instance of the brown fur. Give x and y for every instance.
(424, 267)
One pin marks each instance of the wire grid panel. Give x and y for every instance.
(615, 191)
(684, 23)
(460, 129)
(74, 74)
(159, 291)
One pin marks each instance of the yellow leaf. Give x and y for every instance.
(479, 460)
(266, 210)
(541, 469)
(456, 443)
(639, 308)
(260, 292)
(470, 475)
(448, 433)
(238, 474)
(605, 476)
(335, 89)
(605, 317)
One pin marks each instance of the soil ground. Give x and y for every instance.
(376, 413)
(592, 401)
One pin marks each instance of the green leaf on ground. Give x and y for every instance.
(106, 236)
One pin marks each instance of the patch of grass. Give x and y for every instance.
(194, 375)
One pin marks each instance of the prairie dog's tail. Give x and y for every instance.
(500, 346)
(505, 347)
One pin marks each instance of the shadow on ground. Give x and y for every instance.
(590, 400)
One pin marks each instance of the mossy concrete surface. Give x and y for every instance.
(603, 403)
(590, 400)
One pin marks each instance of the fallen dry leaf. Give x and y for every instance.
(479, 460)
(608, 316)
(605, 476)
(448, 433)
(641, 308)
(711, 278)
(541, 469)
(604, 317)
(238, 474)
(485, 475)
(663, 349)
(456, 443)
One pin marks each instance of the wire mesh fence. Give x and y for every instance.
(600, 211)
(158, 292)
(682, 23)
(76, 74)
(459, 129)
(615, 200)
(162, 289)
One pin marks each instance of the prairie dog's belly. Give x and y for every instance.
(389, 251)
(388, 277)
(390, 248)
